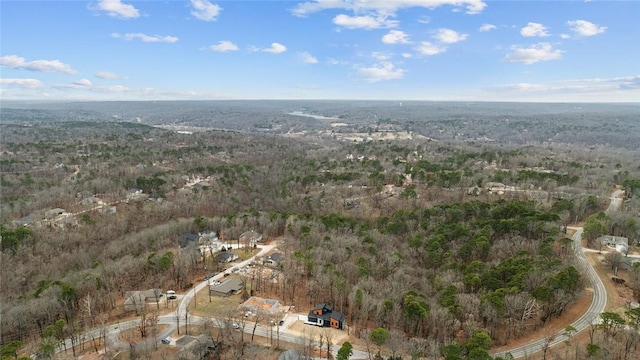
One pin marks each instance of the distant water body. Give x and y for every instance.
(317, 117)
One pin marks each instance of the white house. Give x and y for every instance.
(619, 243)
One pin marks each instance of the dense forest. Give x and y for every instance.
(403, 234)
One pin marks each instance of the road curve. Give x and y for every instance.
(590, 316)
(598, 302)
(112, 331)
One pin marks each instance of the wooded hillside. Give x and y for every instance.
(400, 234)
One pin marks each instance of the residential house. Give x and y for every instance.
(134, 194)
(229, 287)
(92, 201)
(32, 219)
(135, 300)
(250, 238)
(324, 316)
(619, 243)
(202, 239)
(208, 238)
(192, 347)
(54, 213)
(59, 218)
(226, 257)
(273, 259)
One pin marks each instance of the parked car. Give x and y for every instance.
(166, 341)
(171, 295)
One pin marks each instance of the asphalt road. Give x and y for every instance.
(598, 303)
(590, 316)
(113, 331)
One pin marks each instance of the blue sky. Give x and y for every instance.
(467, 50)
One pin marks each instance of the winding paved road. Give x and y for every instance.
(598, 302)
(590, 316)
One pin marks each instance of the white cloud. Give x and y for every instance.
(487, 27)
(621, 82)
(18, 62)
(533, 54)
(534, 30)
(629, 82)
(83, 82)
(585, 28)
(381, 56)
(565, 36)
(379, 72)
(107, 75)
(527, 87)
(308, 58)
(448, 36)
(86, 85)
(113, 89)
(384, 6)
(275, 48)
(22, 83)
(145, 37)
(577, 87)
(205, 10)
(395, 37)
(71, 86)
(424, 20)
(429, 49)
(364, 22)
(116, 8)
(224, 46)
(407, 55)
(600, 80)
